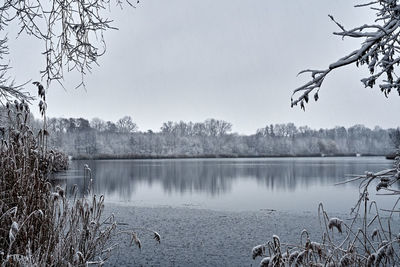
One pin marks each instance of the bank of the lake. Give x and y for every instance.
(213, 156)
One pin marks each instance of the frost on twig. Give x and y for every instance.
(258, 251)
(378, 52)
(71, 32)
(349, 247)
(335, 223)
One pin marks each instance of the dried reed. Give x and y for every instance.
(39, 224)
(373, 244)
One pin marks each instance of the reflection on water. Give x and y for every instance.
(229, 184)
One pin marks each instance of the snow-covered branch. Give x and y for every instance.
(378, 52)
(72, 33)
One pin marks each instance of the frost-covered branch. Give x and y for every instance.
(379, 52)
(8, 89)
(71, 33)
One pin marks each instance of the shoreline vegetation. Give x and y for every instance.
(45, 224)
(213, 138)
(40, 226)
(214, 156)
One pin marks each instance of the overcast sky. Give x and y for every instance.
(228, 59)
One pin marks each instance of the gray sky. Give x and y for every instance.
(227, 59)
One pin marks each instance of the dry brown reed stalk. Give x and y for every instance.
(39, 224)
(25, 195)
(369, 239)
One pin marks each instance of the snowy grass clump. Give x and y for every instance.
(368, 239)
(39, 224)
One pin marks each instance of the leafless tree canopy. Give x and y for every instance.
(71, 31)
(379, 51)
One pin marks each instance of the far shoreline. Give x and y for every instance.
(217, 156)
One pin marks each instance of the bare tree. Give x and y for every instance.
(126, 125)
(379, 52)
(98, 124)
(395, 137)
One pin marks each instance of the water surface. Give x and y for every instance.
(229, 184)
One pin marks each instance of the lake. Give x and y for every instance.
(285, 184)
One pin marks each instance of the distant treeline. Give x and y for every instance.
(212, 138)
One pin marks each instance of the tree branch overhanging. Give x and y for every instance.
(72, 33)
(379, 52)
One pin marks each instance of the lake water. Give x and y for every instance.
(286, 184)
